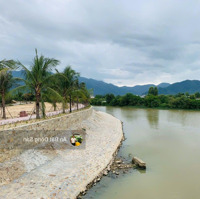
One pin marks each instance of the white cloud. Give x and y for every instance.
(125, 42)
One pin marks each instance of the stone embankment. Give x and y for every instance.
(12, 140)
(63, 172)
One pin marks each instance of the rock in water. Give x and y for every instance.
(141, 164)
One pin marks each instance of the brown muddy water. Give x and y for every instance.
(169, 142)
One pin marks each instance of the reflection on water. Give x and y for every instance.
(169, 142)
(153, 117)
(182, 117)
(141, 171)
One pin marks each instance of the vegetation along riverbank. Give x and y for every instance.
(151, 100)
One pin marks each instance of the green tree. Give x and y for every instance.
(67, 84)
(19, 96)
(152, 101)
(28, 96)
(8, 65)
(179, 95)
(99, 96)
(109, 98)
(77, 94)
(126, 99)
(187, 94)
(51, 98)
(179, 102)
(197, 95)
(192, 96)
(116, 101)
(81, 94)
(163, 98)
(6, 80)
(37, 79)
(153, 91)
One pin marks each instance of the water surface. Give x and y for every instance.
(169, 142)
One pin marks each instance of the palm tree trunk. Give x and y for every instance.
(77, 103)
(70, 103)
(63, 104)
(54, 106)
(37, 106)
(3, 105)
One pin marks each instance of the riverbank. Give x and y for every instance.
(68, 172)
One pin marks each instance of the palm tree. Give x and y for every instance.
(37, 79)
(61, 86)
(68, 81)
(72, 76)
(6, 80)
(77, 93)
(85, 93)
(8, 64)
(53, 99)
(80, 93)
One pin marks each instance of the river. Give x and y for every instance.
(169, 142)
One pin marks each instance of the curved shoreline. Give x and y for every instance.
(105, 171)
(69, 172)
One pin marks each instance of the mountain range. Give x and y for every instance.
(102, 88)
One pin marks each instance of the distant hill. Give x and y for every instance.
(102, 88)
(163, 85)
(190, 86)
(18, 74)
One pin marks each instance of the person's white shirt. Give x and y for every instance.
(73, 140)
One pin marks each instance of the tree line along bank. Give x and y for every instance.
(151, 100)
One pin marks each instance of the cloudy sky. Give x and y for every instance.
(124, 42)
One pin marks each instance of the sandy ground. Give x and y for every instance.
(16, 120)
(64, 173)
(16, 108)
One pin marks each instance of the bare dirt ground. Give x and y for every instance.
(15, 120)
(15, 109)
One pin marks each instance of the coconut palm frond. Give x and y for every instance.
(27, 73)
(19, 88)
(50, 63)
(11, 64)
(57, 96)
